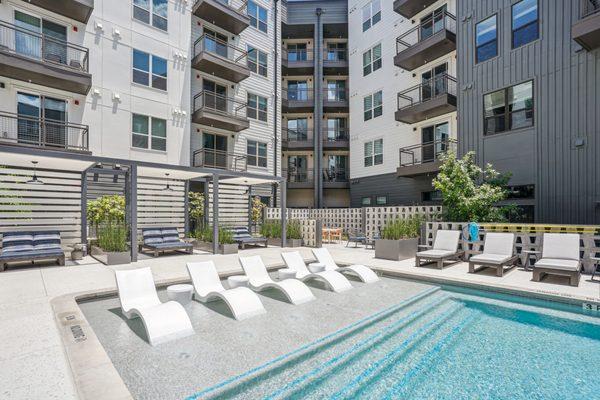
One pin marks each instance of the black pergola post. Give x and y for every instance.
(206, 202)
(84, 186)
(215, 192)
(283, 214)
(186, 209)
(133, 211)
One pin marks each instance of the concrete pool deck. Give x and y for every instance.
(33, 361)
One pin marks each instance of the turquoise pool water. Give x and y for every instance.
(443, 344)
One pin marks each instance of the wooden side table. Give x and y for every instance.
(529, 255)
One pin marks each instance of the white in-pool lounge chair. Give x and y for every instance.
(560, 256)
(497, 253)
(242, 302)
(333, 279)
(445, 248)
(258, 280)
(163, 321)
(363, 273)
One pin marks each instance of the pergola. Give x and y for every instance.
(83, 163)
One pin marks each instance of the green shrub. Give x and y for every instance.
(112, 237)
(403, 228)
(294, 230)
(206, 234)
(106, 209)
(271, 228)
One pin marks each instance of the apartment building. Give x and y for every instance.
(403, 99)
(315, 103)
(529, 101)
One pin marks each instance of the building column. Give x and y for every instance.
(133, 211)
(215, 184)
(186, 209)
(84, 223)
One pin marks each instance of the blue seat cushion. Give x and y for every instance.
(168, 245)
(31, 253)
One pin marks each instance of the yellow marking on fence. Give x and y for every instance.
(541, 228)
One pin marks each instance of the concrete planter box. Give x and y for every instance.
(111, 258)
(290, 242)
(396, 249)
(231, 248)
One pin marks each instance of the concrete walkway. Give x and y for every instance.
(33, 364)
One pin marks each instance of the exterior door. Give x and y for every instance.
(434, 141)
(432, 23)
(335, 168)
(215, 42)
(54, 46)
(215, 150)
(297, 52)
(433, 82)
(297, 129)
(215, 95)
(41, 120)
(336, 129)
(297, 169)
(298, 90)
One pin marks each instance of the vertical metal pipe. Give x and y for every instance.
(282, 187)
(133, 211)
(215, 198)
(275, 101)
(186, 209)
(318, 94)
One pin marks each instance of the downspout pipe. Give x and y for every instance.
(275, 101)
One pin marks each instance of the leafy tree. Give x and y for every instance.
(196, 208)
(257, 209)
(106, 209)
(469, 192)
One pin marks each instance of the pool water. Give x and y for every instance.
(442, 344)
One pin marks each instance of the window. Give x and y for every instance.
(258, 16)
(371, 14)
(381, 200)
(297, 52)
(486, 39)
(157, 9)
(508, 109)
(432, 23)
(257, 61)
(149, 132)
(373, 105)
(143, 63)
(257, 153)
(336, 51)
(434, 195)
(521, 192)
(374, 153)
(365, 201)
(257, 107)
(372, 60)
(525, 27)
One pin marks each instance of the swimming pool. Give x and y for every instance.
(441, 344)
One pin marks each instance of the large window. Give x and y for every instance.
(149, 70)
(149, 132)
(508, 109)
(374, 152)
(372, 60)
(257, 153)
(257, 107)
(525, 27)
(257, 61)
(153, 12)
(258, 16)
(373, 105)
(486, 39)
(371, 14)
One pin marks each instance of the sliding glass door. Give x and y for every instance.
(41, 120)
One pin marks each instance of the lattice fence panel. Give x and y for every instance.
(158, 207)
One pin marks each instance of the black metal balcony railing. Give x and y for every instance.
(210, 44)
(47, 133)
(425, 152)
(336, 175)
(41, 47)
(440, 85)
(589, 7)
(335, 94)
(297, 55)
(298, 175)
(296, 135)
(211, 101)
(426, 29)
(335, 55)
(297, 94)
(212, 158)
(335, 135)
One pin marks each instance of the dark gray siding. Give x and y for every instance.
(399, 191)
(567, 107)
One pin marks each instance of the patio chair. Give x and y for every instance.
(445, 248)
(31, 246)
(163, 321)
(363, 273)
(164, 239)
(259, 279)
(332, 279)
(356, 238)
(242, 236)
(560, 256)
(242, 302)
(497, 253)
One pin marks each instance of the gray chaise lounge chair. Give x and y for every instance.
(242, 236)
(560, 256)
(31, 246)
(445, 248)
(163, 239)
(357, 238)
(497, 253)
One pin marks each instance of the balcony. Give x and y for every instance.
(335, 100)
(430, 40)
(212, 109)
(335, 62)
(336, 178)
(336, 139)
(430, 99)
(297, 139)
(211, 158)
(297, 62)
(48, 134)
(221, 59)
(79, 10)
(36, 58)
(223, 15)
(586, 31)
(423, 158)
(410, 8)
(299, 178)
(297, 100)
